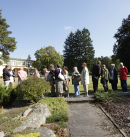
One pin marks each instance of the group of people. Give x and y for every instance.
(59, 80)
(61, 84)
(109, 75)
(9, 76)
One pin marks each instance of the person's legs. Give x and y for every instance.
(114, 85)
(122, 85)
(125, 85)
(78, 90)
(7, 83)
(76, 87)
(105, 85)
(95, 85)
(85, 89)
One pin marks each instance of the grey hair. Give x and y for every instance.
(113, 65)
(121, 63)
(76, 69)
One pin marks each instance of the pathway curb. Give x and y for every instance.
(111, 119)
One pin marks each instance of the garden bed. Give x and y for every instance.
(119, 110)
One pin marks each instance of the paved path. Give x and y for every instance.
(87, 120)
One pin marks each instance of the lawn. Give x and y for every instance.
(71, 87)
(100, 86)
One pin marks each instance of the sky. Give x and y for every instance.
(42, 23)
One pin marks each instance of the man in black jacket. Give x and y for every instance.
(96, 72)
(6, 76)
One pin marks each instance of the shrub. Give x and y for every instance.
(6, 95)
(106, 97)
(32, 88)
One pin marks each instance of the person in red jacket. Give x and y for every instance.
(123, 77)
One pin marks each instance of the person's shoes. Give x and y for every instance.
(86, 95)
(76, 95)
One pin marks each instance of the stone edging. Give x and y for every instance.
(111, 119)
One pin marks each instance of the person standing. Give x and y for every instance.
(96, 72)
(66, 81)
(12, 79)
(51, 75)
(36, 74)
(46, 72)
(6, 76)
(123, 77)
(85, 78)
(22, 75)
(75, 81)
(58, 81)
(105, 77)
(113, 77)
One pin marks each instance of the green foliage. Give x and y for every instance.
(32, 88)
(121, 47)
(58, 109)
(116, 61)
(7, 44)
(46, 56)
(106, 97)
(78, 48)
(35, 134)
(1, 63)
(105, 60)
(6, 95)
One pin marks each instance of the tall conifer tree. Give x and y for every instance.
(7, 44)
(78, 48)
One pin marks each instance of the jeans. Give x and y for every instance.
(95, 85)
(77, 92)
(124, 85)
(105, 85)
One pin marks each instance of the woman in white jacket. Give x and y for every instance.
(85, 78)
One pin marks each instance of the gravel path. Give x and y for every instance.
(87, 120)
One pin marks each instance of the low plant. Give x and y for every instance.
(106, 97)
(35, 134)
(58, 109)
(6, 95)
(32, 88)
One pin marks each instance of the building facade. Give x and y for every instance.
(17, 63)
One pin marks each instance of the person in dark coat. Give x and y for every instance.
(113, 77)
(58, 81)
(96, 72)
(52, 80)
(6, 76)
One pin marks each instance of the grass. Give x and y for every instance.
(100, 86)
(7, 124)
(58, 109)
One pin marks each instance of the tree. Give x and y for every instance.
(121, 47)
(78, 48)
(46, 56)
(104, 60)
(29, 57)
(116, 61)
(7, 44)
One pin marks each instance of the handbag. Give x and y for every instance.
(49, 77)
(79, 79)
(60, 76)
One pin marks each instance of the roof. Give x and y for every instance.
(20, 59)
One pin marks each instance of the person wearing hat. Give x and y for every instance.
(113, 77)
